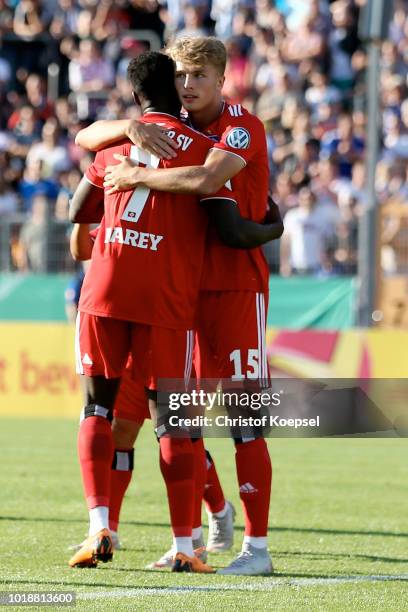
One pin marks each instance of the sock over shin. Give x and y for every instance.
(254, 472)
(177, 468)
(121, 475)
(95, 449)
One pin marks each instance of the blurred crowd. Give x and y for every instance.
(299, 65)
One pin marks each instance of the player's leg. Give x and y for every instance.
(200, 478)
(171, 359)
(213, 494)
(221, 512)
(238, 319)
(124, 433)
(102, 346)
(130, 411)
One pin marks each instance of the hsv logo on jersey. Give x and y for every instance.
(238, 138)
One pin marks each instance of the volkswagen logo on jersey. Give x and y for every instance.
(238, 138)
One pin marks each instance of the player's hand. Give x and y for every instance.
(152, 138)
(122, 176)
(273, 213)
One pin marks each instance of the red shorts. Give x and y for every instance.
(103, 346)
(230, 338)
(131, 402)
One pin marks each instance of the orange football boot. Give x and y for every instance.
(184, 563)
(96, 548)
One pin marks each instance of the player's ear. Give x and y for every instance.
(221, 81)
(136, 98)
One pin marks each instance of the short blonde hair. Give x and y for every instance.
(198, 51)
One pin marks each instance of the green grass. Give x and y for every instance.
(339, 510)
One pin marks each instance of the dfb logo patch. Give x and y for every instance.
(238, 138)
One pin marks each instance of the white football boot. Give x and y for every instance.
(251, 561)
(221, 530)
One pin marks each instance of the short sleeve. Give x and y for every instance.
(244, 136)
(95, 174)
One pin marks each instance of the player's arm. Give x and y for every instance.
(81, 242)
(147, 136)
(86, 205)
(237, 232)
(219, 167)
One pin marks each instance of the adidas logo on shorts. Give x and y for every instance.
(86, 360)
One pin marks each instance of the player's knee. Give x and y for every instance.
(125, 432)
(95, 410)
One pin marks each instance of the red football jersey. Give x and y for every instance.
(240, 133)
(148, 254)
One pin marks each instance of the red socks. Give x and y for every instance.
(200, 477)
(95, 449)
(121, 475)
(213, 493)
(177, 468)
(254, 472)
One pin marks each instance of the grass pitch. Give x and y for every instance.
(338, 536)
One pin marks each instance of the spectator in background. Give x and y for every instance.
(36, 91)
(32, 185)
(64, 114)
(343, 42)
(84, 24)
(284, 192)
(8, 198)
(237, 74)
(304, 44)
(144, 15)
(355, 188)
(244, 29)
(392, 60)
(130, 48)
(32, 243)
(325, 181)
(193, 22)
(89, 72)
(30, 19)
(68, 182)
(271, 102)
(395, 139)
(223, 13)
(320, 92)
(6, 17)
(114, 107)
(50, 151)
(65, 19)
(25, 132)
(343, 146)
(111, 17)
(43, 239)
(5, 73)
(347, 232)
(307, 236)
(270, 72)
